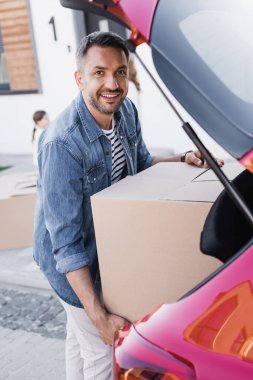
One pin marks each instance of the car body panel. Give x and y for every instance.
(140, 13)
(203, 330)
(247, 161)
(104, 8)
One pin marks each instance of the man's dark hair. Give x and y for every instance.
(102, 39)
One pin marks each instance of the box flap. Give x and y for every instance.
(173, 170)
(152, 184)
(196, 192)
(172, 182)
(231, 169)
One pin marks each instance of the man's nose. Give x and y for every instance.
(111, 82)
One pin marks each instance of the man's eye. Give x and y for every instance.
(122, 73)
(99, 73)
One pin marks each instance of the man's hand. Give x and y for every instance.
(108, 325)
(195, 158)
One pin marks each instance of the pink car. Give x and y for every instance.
(203, 52)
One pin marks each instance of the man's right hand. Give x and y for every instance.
(107, 325)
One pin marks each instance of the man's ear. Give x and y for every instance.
(79, 79)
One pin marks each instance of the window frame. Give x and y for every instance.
(5, 88)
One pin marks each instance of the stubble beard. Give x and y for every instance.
(99, 107)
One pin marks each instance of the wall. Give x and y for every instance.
(56, 65)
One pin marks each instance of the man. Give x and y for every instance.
(95, 142)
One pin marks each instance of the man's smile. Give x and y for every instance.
(110, 96)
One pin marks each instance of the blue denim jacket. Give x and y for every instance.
(74, 159)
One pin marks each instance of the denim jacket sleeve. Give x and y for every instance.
(62, 177)
(144, 158)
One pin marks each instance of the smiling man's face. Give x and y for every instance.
(104, 79)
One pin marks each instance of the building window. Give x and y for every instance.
(4, 81)
(18, 71)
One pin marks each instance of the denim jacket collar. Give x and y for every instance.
(90, 125)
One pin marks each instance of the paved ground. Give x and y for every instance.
(30, 356)
(32, 321)
(32, 312)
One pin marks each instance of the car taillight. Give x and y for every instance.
(135, 358)
(247, 161)
(145, 374)
(226, 326)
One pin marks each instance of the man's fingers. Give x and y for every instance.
(198, 162)
(220, 162)
(192, 159)
(197, 154)
(195, 158)
(113, 324)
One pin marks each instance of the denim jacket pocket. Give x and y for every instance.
(96, 178)
(132, 142)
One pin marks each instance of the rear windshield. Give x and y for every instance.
(203, 51)
(224, 41)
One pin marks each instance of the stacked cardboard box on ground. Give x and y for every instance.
(148, 231)
(17, 201)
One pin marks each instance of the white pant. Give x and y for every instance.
(87, 357)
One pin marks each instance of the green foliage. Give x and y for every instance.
(4, 167)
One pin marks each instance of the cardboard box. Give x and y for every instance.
(148, 230)
(17, 203)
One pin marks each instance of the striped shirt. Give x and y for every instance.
(118, 154)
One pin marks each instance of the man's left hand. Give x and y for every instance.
(195, 158)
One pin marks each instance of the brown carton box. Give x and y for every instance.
(148, 230)
(17, 202)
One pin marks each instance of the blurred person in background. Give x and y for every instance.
(41, 121)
